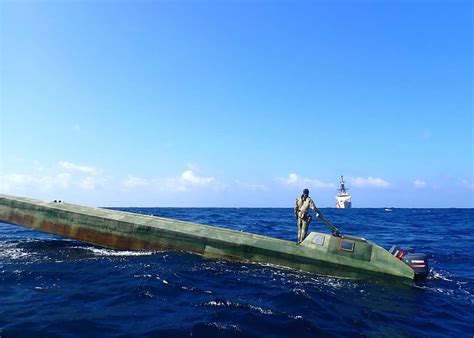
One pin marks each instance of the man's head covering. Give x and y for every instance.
(306, 192)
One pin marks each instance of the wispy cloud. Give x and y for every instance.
(363, 182)
(190, 178)
(76, 167)
(296, 180)
(184, 182)
(292, 179)
(11, 182)
(419, 184)
(65, 176)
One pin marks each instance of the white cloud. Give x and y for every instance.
(184, 182)
(190, 178)
(292, 179)
(12, 182)
(295, 180)
(65, 176)
(369, 182)
(76, 167)
(419, 184)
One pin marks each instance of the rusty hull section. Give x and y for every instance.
(84, 228)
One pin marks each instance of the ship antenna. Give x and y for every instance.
(342, 189)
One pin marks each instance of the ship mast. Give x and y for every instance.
(342, 190)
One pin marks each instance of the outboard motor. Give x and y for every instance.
(417, 261)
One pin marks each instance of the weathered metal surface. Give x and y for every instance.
(319, 253)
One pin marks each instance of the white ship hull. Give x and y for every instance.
(343, 202)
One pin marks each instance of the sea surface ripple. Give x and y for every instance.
(56, 287)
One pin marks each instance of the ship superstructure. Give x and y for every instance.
(343, 198)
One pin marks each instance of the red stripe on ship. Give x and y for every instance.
(400, 254)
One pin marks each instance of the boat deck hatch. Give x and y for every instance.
(318, 240)
(347, 245)
(350, 248)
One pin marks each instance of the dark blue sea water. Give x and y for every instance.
(55, 287)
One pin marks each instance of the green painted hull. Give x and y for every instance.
(347, 257)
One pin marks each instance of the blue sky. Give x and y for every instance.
(239, 103)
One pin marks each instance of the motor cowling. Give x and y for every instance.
(417, 261)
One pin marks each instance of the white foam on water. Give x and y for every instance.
(115, 253)
(219, 303)
(238, 305)
(438, 275)
(261, 310)
(14, 253)
(455, 288)
(224, 326)
(10, 251)
(333, 282)
(149, 294)
(296, 317)
(301, 292)
(447, 292)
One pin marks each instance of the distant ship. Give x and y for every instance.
(343, 198)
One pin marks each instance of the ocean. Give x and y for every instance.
(56, 287)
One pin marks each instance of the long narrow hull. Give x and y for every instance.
(320, 253)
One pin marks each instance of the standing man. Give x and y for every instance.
(303, 203)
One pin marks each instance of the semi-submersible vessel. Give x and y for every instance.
(321, 253)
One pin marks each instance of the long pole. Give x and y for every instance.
(334, 230)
